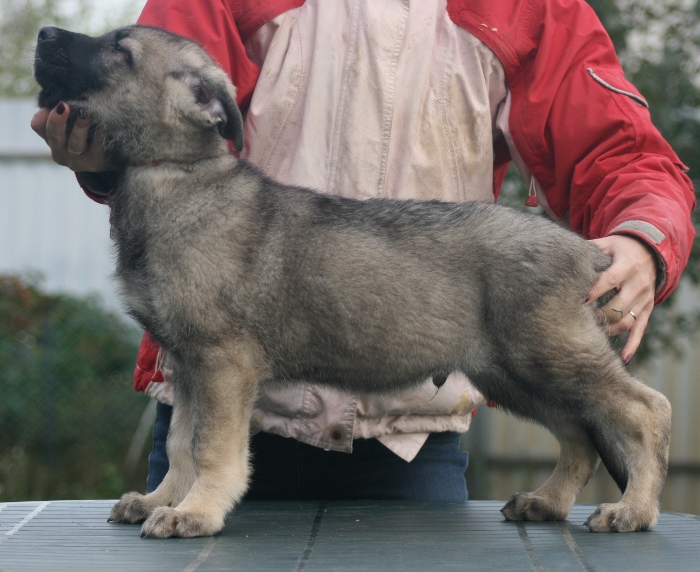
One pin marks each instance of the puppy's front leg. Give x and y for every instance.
(134, 507)
(223, 395)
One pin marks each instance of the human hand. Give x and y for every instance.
(633, 274)
(71, 146)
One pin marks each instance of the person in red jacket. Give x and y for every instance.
(426, 100)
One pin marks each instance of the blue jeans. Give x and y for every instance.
(285, 469)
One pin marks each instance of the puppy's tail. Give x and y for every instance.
(611, 453)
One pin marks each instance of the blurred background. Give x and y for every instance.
(71, 427)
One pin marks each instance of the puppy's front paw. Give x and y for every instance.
(527, 506)
(621, 518)
(130, 509)
(166, 522)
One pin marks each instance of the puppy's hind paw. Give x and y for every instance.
(130, 509)
(621, 518)
(527, 506)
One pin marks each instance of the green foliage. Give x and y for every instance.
(20, 21)
(67, 410)
(659, 47)
(19, 24)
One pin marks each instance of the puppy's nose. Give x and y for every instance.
(47, 33)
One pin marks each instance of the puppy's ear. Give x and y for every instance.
(215, 105)
(231, 127)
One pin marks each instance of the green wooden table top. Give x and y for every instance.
(362, 535)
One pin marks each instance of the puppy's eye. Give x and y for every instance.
(126, 54)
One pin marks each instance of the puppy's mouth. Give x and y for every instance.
(47, 75)
(50, 59)
(60, 66)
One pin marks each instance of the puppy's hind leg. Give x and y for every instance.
(224, 392)
(628, 423)
(573, 373)
(577, 463)
(632, 434)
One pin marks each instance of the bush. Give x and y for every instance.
(67, 410)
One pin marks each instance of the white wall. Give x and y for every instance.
(47, 224)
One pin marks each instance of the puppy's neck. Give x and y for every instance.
(152, 163)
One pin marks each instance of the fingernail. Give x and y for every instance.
(586, 299)
(628, 359)
(61, 108)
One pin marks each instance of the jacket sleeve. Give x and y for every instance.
(584, 131)
(594, 149)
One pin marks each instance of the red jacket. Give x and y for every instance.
(596, 155)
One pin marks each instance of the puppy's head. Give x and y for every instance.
(156, 95)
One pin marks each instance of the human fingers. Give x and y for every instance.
(633, 275)
(624, 312)
(78, 141)
(85, 144)
(634, 300)
(56, 133)
(629, 256)
(632, 265)
(613, 310)
(72, 145)
(641, 320)
(39, 121)
(629, 310)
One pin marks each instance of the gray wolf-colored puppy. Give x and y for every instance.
(243, 280)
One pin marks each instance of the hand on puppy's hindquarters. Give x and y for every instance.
(633, 274)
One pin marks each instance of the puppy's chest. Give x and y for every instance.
(164, 224)
(139, 228)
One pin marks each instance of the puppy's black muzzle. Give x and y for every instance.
(65, 65)
(49, 34)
